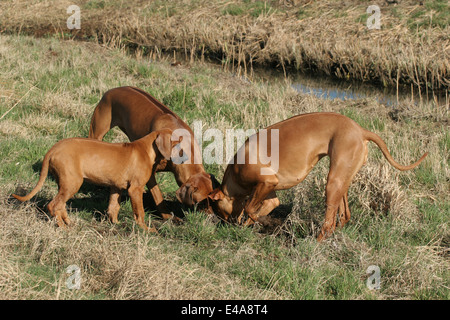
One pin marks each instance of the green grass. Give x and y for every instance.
(252, 8)
(434, 13)
(368, 122)
(94, 4)
(303, 13)
(399, 220)
(275, 265)
(268, 33)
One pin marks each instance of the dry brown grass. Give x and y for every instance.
(34, 255)
(398, 218)
(324, 36)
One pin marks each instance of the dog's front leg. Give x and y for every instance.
(159, 200)
(257, 205)
(114, 204)
(136, 193)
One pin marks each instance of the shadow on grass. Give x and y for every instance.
(275, 219)
(93, 199)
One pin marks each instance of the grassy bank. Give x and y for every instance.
(49, 88)
(331, 37)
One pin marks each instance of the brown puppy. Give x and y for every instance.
(137, 113)
(117, 165)
(303, 141)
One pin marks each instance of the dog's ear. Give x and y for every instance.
(185, 195)
(215, 183)
(164, 144)
(216, 194)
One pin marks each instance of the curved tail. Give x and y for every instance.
(380, 143)
(42, 177)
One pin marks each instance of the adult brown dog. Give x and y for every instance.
(137, 113)
(303, 141)
(117, 165)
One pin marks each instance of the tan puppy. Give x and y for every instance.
(303, 141)
(137, 113)
(117, 165)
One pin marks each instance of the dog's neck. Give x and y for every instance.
(146, 143)
(230, 187)
(183, 172)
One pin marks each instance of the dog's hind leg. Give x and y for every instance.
(57, 207)
(344, 164)
(334, 193)
(344, 211)
(101, 119)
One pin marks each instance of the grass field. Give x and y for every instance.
(49, 88)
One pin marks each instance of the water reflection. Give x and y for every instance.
(326, 87)
(329, 88)
(349, 93)
(360, 91)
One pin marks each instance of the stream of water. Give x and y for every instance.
(329, 88)
(326, 87)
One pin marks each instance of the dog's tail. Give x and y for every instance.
(380, 143)
(42, 177)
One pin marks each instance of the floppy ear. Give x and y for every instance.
(185, 195)
(216, 194)
(215, 183)
(164, 144)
